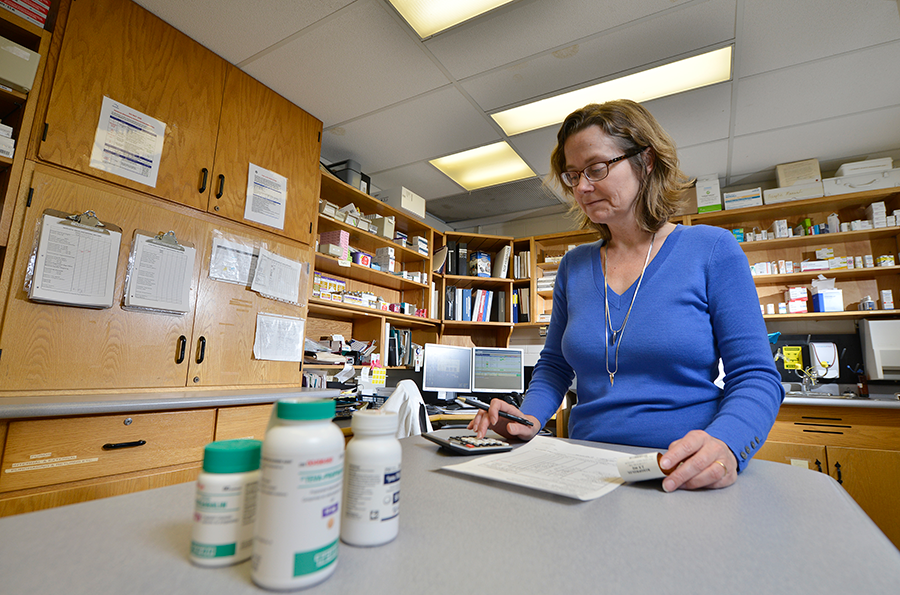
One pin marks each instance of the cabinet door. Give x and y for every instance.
(116, 49)
(225, 320)
(259, 126)
(47, 346)
(808, 456)
(872, 477)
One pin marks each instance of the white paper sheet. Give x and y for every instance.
(277, 277)
(551, 465)
(278, 338)
(232, 262)
(266, 197)
(128, 143)
(160, 276)
(75, 265)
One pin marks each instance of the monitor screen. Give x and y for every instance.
(497, 370)
(447, 370)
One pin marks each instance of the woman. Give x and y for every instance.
(644, 315)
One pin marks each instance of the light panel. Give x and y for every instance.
(484, 166)
(428, 17)
(669, 79)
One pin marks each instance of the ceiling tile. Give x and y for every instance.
(776, 33)
(834, 139)
(526, 28)
(429, 126)
(355, 63)
(621, 50)
(422, 178)
(695, 117)
(811, 91)
(705, 159)
(237, 29)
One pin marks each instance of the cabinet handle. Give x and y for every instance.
(837, 467)
(182, 345)
(119, 445)
(201, 349)
(819, 465)
(221, 190)
(203, 180)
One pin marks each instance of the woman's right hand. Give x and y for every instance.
(491, 420)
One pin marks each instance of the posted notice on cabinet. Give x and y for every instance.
(128, 143)
(266, 197)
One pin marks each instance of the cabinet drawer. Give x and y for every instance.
(45, 452)
(249, 421)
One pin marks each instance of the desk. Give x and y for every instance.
(779, 529)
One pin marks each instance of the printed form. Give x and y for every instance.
(554, 466)
(128, 143)
(160, 276)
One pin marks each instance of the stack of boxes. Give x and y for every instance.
(335, 243)
(877, 214)
(385, 259)
(795, 299)
(7, 144)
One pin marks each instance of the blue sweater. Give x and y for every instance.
(697, 303)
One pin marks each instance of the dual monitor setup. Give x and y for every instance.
(454, 371)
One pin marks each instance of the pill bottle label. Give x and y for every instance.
(224, 514)
(373, 493)
(300, 520)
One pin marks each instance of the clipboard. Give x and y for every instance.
(74, 260)
(159, 276)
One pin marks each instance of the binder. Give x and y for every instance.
(467, 305)
(489, 298)
(462, 258)
(515, 305)
(452, 256)
(498, 308)
(450, 303)
(501, 263)
(75, 260)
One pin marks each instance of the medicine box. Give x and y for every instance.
(798, 172)
(709, 197)
(887, 299)
(18, 65)
(877, 180)
(404, 199)
(329, 209)
(384, 225)
(828, 300)
(743, 198)
(867, 166)
(795, 192)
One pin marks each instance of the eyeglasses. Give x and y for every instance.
(595, 171)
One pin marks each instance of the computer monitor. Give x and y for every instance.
(447, 370)
(497, 370)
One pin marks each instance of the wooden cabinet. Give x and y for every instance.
(328, 315)
(855, 283)
(52, 451)
(459, 323)
(53, 347)
(17, 111)
(116, 49)
(218, 120)
(247, 421)
(858, 447)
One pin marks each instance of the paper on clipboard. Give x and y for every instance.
(161, 272)
(277, 277)
(76, 260)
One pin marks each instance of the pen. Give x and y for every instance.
(485, 407)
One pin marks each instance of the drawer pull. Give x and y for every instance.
(221, 189)
(201, 350)
(182, 343)
(119, 445)
(205, 173)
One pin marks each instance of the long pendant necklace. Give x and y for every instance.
(617, 335)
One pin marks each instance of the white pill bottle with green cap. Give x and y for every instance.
(298, 521)
(225, 504)
(372, 480)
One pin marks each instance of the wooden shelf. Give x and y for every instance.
(369, 242)
(350, 312)
(465, 281)
(839, 274)
(819, 239)
(331, 266)
(846, 315)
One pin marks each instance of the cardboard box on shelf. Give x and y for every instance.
(404, 199)
(798, 172)
(795, 192)
(743, 198)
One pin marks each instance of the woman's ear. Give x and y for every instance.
(650, 159)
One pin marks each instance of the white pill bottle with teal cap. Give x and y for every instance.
(371, 505)
(298, 521)
(225, 504)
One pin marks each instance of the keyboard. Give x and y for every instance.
(469, 444)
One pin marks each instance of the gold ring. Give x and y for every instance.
(723, 466)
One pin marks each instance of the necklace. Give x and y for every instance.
(617, 335)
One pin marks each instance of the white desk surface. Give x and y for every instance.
(779, 529)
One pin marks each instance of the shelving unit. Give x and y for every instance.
(544, 247)
(855, 283)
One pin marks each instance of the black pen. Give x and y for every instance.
(485, 407)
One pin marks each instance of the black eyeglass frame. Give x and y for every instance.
(577, 174)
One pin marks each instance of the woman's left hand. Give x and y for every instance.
(702, 462)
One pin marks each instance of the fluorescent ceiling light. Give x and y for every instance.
(669, 79)
(428, 17)
(485, 166)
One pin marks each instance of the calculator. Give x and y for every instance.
(468, 444)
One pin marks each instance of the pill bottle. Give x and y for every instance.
(225, 505)
(371, 513)
(298, 523)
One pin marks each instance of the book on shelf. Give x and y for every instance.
(450, 303)
(498, 307)
(467, 305)
(522, 265)
(501, 263)
(452, 257)
(462, 258)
